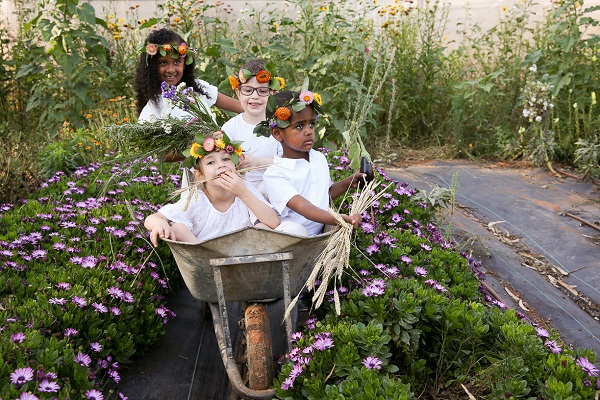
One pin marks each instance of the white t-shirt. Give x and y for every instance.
(289, 177)
(205, 221)
(158, 110)
(258, 146)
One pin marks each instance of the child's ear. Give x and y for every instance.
(198, 175)
(277, 133)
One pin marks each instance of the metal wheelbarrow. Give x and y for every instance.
(248, 265)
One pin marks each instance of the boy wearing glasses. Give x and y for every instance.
(253, 85)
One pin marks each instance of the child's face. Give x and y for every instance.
(298, 138)
(213, 164)
(255, 103)
(170, 69)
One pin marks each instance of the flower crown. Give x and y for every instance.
(180, 50)
(282, 114)
(205, 145)
(267, 74)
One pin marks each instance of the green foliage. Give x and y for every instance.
(64, 34)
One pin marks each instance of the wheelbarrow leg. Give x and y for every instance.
(258, 347)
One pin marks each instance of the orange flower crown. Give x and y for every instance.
(267, 74)
(175, 50)
(282, 114)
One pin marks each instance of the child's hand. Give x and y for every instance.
(232, 182)
(354, 219)
(218, 134)
(161, 231)
(356, 178)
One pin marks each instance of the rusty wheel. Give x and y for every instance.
(258, 347)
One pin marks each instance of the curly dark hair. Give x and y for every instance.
(281, 98)
(147, 83)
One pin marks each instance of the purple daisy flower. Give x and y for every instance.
(101, 308)
(28, 396)
(128, 297)
(543, 333)
(311, 323)
(296, 371)
(115, 311)
(425, 246)
(83, 359)
(372, 363)
(79, 301)
(95, 346)
(115, 292)
(287, 384)
(295, 337)
(323, 343)
(47, 386)
(94, 394)
(56, 300)
(406, 259)
(21, 376)
(63, 285)
(114, 375)
(587, 366)
(18, 337)
(36, 254)
(372, 249)
(70, 332)
(420, 271)
(553, 346)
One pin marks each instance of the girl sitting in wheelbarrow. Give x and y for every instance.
(225, 203)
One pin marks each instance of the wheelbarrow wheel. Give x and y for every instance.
(259, 353)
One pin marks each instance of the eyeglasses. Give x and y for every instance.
(248, 90)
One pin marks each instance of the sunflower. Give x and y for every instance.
(281, 82)
(194, 150)
(318, 98)
(283, 113)
(263, 76)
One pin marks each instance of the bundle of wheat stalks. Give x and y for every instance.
(335, 258)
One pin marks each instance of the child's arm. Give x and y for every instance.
(265, 214)
(159, 226)
(340, 187)
(228, 103)
(309, 211)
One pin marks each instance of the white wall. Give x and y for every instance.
(485, 13)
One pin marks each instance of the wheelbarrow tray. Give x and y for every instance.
(247, 281)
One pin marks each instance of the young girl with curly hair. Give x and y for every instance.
(166, 57)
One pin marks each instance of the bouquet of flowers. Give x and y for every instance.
(167, 134)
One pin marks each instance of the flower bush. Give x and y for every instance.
(416, 322)
(83, 292)
(81, 289)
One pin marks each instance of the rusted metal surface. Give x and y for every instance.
(247, 281)
(258, 347)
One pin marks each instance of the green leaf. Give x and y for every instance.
(354, 155)
(149, 23)
(213, 51)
